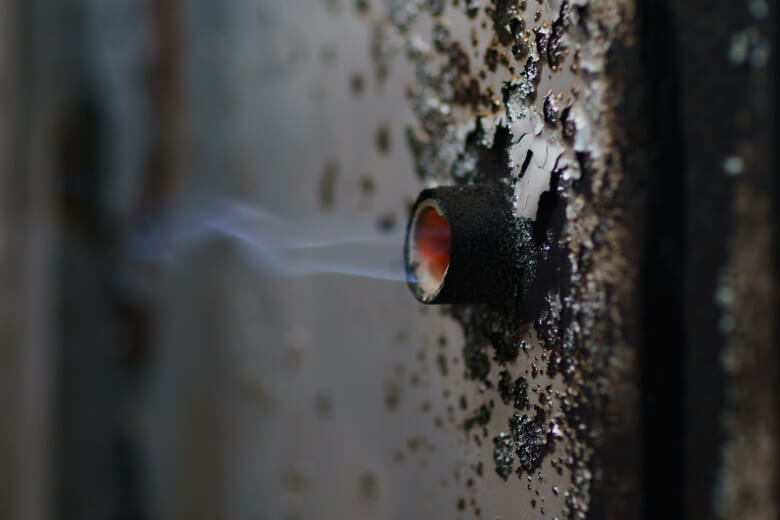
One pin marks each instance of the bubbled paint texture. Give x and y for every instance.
(517, 92)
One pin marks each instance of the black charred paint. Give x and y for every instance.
(505, 346)
(531, 440)
(436, 7)
(526, 162)
(568, 128)
(459, 59)
(555, 51)
(587, 169)
(538, 265)
(542, 34)
(525, 88)
(505, 386)
(550, 204)
(503, 455)
(507, 21)
(477, 362)
(472, 8)
(383, 139)
(479, 163)
(513, 392)
(480, 417)
(441, 361)
(441, 36)
(550, 110)
(493, 163)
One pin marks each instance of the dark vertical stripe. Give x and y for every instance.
(663, 345)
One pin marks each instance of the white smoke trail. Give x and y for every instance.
(278, 247)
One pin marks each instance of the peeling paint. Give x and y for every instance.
(548, 138)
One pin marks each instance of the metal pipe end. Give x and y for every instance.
(458, 245)
(428, 255)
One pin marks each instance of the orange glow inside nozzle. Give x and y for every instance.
(432, 236)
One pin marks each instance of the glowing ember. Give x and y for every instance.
(432, 237)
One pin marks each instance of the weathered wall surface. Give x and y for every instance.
(532, 408)
(631, 373)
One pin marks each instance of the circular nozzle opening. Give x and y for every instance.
(429, 249)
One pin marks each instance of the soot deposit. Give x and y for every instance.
(543, 347)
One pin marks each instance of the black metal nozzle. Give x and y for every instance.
(459, 245)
